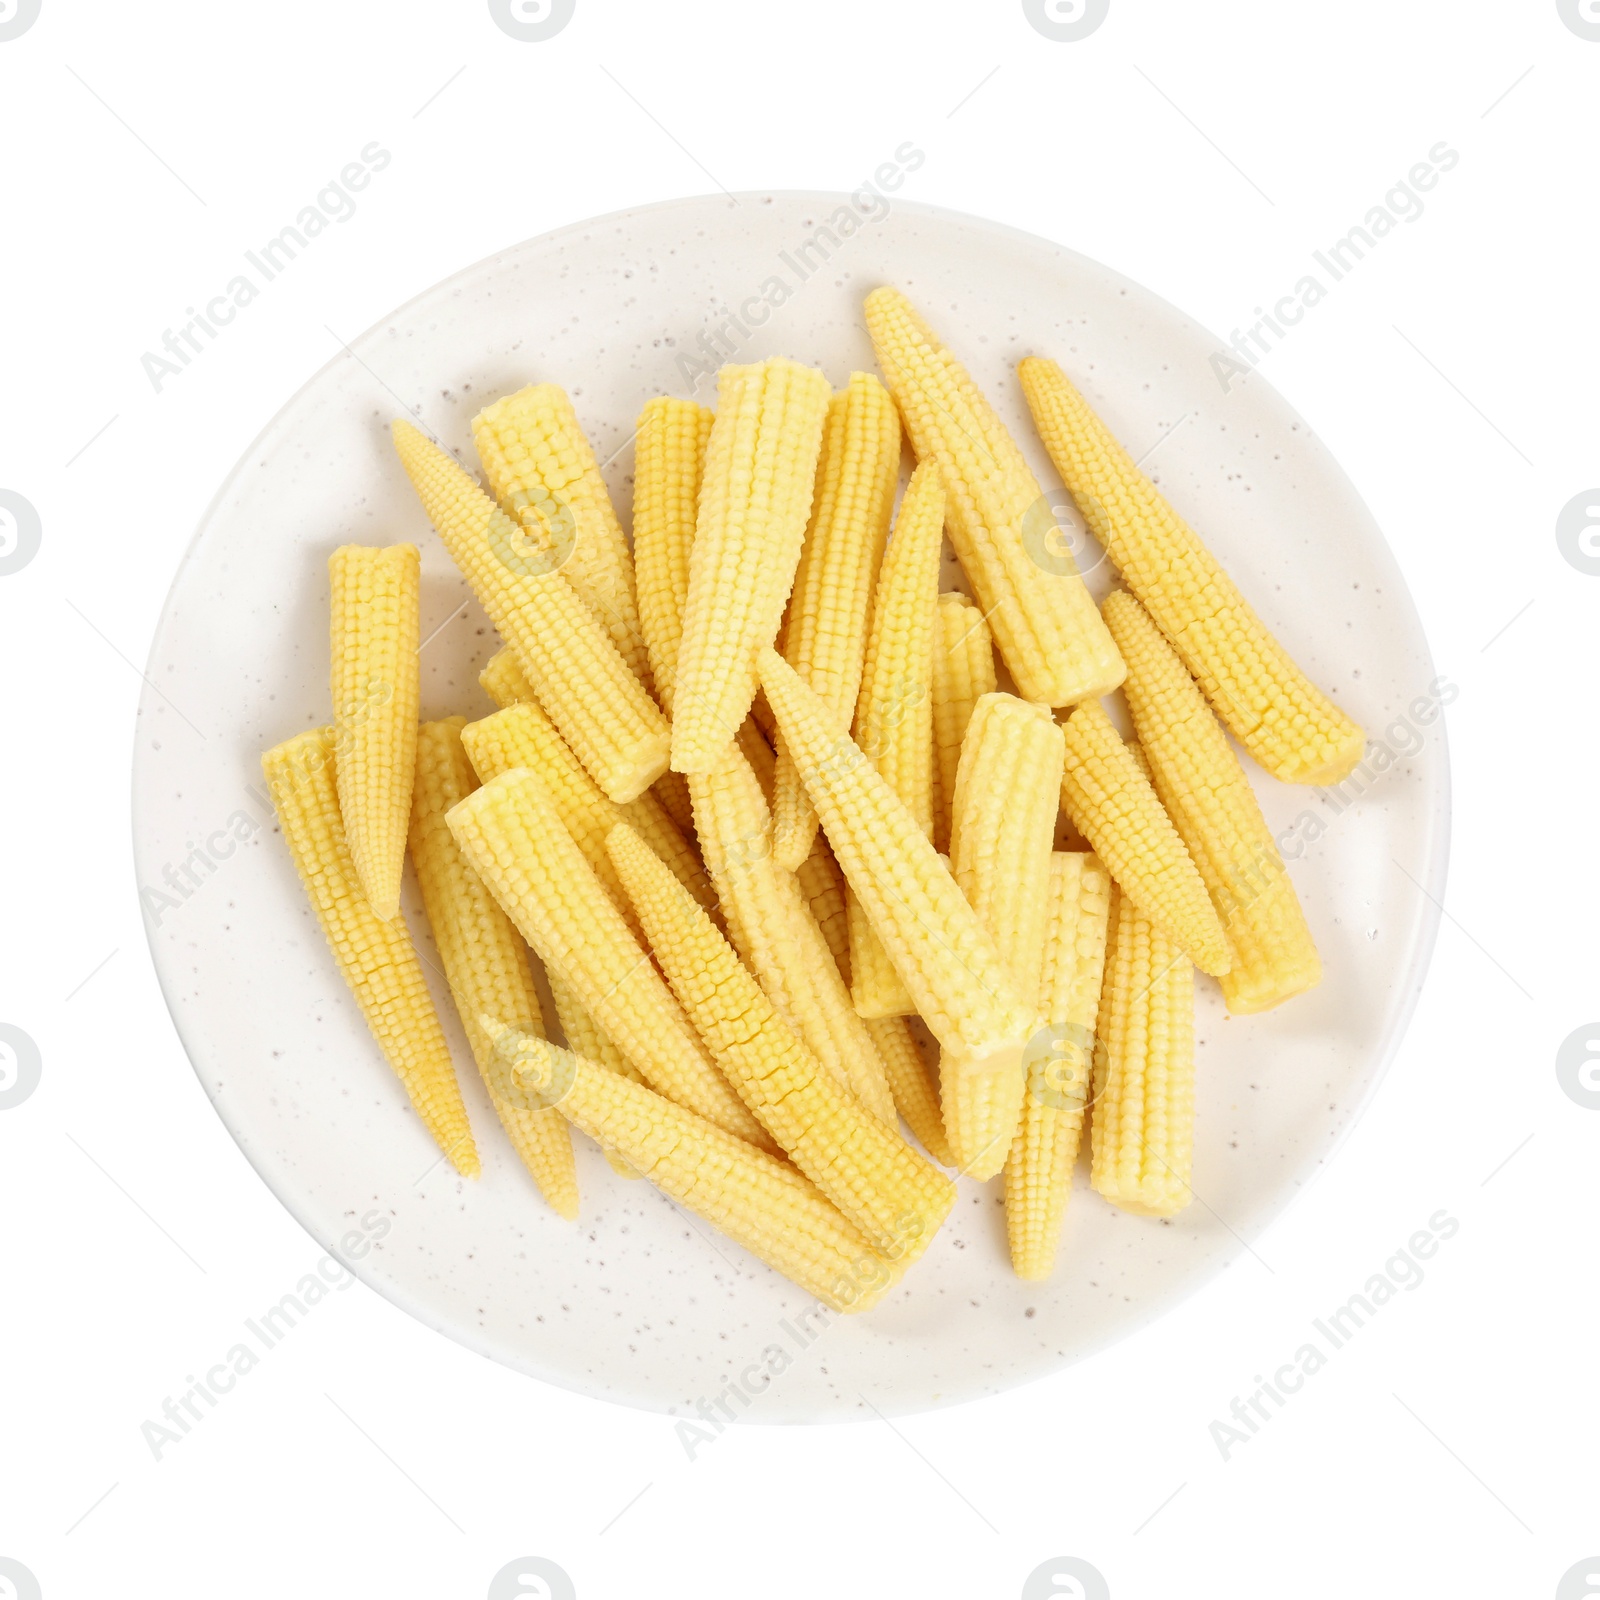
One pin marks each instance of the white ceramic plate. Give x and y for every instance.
(639, 1302)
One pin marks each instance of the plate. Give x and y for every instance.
(639, 1302)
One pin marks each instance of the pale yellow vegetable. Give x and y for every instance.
(542, 470)
(758, 1200)
(755, 498)
(485, 961)
(1044, 619)
(1007, 799)
(963, 672)
(885, 1188)
(1211, 804)
(1142, 1125)
(825, 628)
(512, 833)
(956, 975)
(603, 711)
(1273, 709)
(1112, 804)
(1060, 1063)
(775, 932)
(375, 958)
(375, 688)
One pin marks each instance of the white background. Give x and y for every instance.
(1446, 1448)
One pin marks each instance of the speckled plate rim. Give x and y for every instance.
(1300, 1178)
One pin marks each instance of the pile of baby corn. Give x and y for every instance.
(759, 795)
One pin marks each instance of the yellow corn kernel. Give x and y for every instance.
(957, 977)
(542, 470)
(613, 726)
(375, 958)
(1274, 710)
(754, 748)
(1060, 1063)
(1209, 799)
(1044, 619)
(584, 1037)
(894, 714)
(755, 498)
(669, 452)
(671, 791)
(513, 835)
(915, 1090)
(375, 687)
(502, 679)
(485, 962)
(822, 885)
(878, 1181)
(523, 736)
(1111, 802)
(1142, 1125)
(774, 931)
(1008, 795)
(758, 1200)
(962, 673)
(876, 987)
(825, 628)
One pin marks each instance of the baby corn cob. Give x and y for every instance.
(915, 1090)
(962, 673)
(1275, 712)
(877, 1180)
(755, 498)
(375, 686)
(825, 629)
(957, 977)
(502, 679)
(912, 1086)
(375, 958)
(1112, 804)
(759, 1201)
(1211, 804)
(1043, 617)
(894, 715)
(485, 962)
(1142, 1127)
(822, 886)
(513, 835)
(523, 736)
(669, 451)
(613, 726)
(1061, 1063)
(1008, 795)
(542, 470)
(775, 933)
(584, 1038)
